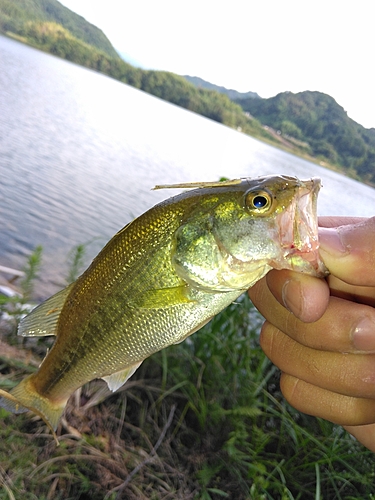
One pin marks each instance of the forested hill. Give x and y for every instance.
(322, 126)
(17, 16)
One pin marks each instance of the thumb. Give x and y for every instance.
(349, 252)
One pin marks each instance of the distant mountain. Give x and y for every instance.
(318, 120)
(234, 95)
(15, 14)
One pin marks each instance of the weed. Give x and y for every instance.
(202, 420)
(31, 272)
(76, 262)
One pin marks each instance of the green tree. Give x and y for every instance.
(289, 128)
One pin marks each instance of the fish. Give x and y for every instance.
(162, 277)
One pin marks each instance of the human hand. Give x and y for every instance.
(321, 333)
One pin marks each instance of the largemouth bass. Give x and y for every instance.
(164, 276)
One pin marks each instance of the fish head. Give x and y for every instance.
(238, 232)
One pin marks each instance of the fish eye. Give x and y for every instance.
(258, 202)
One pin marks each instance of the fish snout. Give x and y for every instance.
(299, 231)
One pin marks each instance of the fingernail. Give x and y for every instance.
(364, 335)
(330, 240)
(292, 296)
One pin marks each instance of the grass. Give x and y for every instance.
(204, 420)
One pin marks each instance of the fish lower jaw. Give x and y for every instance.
(308, 262)
(305, 261)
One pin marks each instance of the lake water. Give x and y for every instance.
(79, 153)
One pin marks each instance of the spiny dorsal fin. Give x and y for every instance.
(203, 184)
(118, 379)
(43, 319)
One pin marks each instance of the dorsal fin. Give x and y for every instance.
(203, 184)
(43, 319)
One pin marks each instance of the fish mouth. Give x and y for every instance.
(298, 226)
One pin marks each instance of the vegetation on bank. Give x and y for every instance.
(204, 420)
(317, 121)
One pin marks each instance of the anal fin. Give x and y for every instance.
(118, 379)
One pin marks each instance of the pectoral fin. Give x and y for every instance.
(163, 297)
(43, 319)
(118, 379)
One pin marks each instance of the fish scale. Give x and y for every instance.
(162, 277)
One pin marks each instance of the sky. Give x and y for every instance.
(263, 46)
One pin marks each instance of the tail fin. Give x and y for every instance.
(24, 397)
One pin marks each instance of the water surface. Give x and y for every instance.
(80, 151)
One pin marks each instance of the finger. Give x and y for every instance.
(349, 252)
(345, 327)
(337, 408)
(365, 434)
(347, 374)
(360, 294)
(336, 221)
(305, 296)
